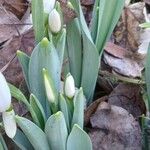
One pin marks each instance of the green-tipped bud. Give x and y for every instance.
(9, 123)
(5, 96)
(54, 21)
(69, 86)
(48, 5)
(69, 4)
(48, 88)
(44, 42)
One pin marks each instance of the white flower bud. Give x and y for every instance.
(9, 123)
(48, 88)
(69, 86)
(5, 96)
(54, 21)
(48, 5)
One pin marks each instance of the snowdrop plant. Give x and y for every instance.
(62, 128)
(84, 46)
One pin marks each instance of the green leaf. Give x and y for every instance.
(56, 131)
(90, 64)
(21, 141)
(145, 133)
(34, 134)
(38, 109)
(147, 76)
(66, 64)
(78, 114)
(3, 145)
(38, 18)
(24, 61)
(60, 46)
(18, 95)
(44, 56)
(94, 20)
(109, 13)
(64, 110)
(90, 68)
(74, 46)
(78, 140)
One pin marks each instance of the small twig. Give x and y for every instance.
(6, 66)
(21, 24)
(122, 78)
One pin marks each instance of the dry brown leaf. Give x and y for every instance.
(128, 96)
(17, 7)
(114, 128)
(127, 32)
(115, 50)
(125, 66)
(14, 73)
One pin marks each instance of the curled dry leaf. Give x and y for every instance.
(114, 128)
(125, 66)
(127, 32)
(128, 96)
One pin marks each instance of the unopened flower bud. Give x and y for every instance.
(9, 123)
(48, 5)
(69, 86)
(5, 96)
(48, 88)
(54, 21)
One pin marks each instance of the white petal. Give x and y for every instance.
(69, 86)
(5, 96)
(48, 5)
(54, 21)
(9, 123)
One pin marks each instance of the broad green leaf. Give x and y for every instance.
(3, 145)
(56, 131)
(24, 61)
(78, 140)
(21, 141)
(147, 76)
(60, 46)
(90, 68)
(94, 20)
(78, 114)
(66, 64)
(90, 64)
(145, 133)
(74, 46)
(109, 13)
(38, 18)
(34, 134)
(18, 95)
(64, 110)
(38, 109)
(45, 56)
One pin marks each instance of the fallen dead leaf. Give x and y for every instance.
(127, 32)
(128, 96)
(13, 72)
(114, 128)
(125, 66)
